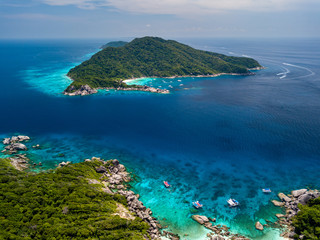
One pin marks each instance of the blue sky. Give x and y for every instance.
(165, 18)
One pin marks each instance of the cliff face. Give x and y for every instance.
(152, 57)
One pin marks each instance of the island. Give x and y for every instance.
(114, 44)
(150, 57)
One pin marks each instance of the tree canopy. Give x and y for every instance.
(61, 204)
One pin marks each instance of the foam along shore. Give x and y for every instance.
(141, 79)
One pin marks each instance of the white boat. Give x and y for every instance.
(197, 204)
(266, 190)
(233, 203)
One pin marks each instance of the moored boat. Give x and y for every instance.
(266, 190)
(166, 183)
(233, 203)
(197, 204)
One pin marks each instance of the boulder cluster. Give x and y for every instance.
(114, 176)
(290, 202)
(87, 90)
(14, 144)
(82, 91)
(219, 232)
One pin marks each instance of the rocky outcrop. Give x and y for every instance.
(14, 139)
(283, 197)
(82, 91)
(200, 219)
(14, 144)
(277, 203)
(218, 231)
(297, 193)
(301, 196)
(101, 169)
(19, 161)
(87, 90)
(258, 226)
(14, 147)
(62, 164)
(113, 178)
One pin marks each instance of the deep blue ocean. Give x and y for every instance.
(211, 138)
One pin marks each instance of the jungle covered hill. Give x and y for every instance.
(62, 204)
(152, 57)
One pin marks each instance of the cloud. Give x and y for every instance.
(179, 7)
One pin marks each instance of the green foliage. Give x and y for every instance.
(153, 57)
(114, 44)
(307, 221)
(61, 204)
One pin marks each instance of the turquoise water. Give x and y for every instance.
(211, 138)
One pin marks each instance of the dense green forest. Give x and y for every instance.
(114, 44)
(153, 57)
(61, 204)
(307, 221)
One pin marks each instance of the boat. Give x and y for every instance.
(197, 204)
(266, 190)
(233, 203)
(166, 184)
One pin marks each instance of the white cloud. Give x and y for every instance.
(178, 7)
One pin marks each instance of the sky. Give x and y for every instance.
(164, 18)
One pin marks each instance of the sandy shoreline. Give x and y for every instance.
(195, 76)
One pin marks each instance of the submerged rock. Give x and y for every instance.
(259, 226)
(200, 219)
(277, 203)
(284, 197)
(6, 141)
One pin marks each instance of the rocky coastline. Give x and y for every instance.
(87, 90)
(114, 179)
(290, 202)
(13, 146)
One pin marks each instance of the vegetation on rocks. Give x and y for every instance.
(307, 220)
(152, 57)
(61, 204)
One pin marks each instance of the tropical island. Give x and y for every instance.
(150, 57)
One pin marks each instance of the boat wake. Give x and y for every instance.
(310, 73)
(283, 74)
(286, 70)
